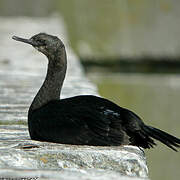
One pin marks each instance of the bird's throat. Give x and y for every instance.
(51, 88)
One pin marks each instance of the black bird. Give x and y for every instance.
(86, 119)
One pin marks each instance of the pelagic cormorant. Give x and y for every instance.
(85, 119)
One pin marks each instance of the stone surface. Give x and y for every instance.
(19, 153)
(66, 175)
(22, 72)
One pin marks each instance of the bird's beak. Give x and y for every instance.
(28, 41)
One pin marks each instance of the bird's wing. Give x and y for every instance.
(102, 124)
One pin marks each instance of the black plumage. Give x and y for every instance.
(82, 120)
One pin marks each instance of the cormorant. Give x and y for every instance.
(84, 119)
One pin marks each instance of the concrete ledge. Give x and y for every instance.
(18, 152)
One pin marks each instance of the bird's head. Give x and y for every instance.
(45, 43)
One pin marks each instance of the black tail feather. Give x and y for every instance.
(167, 139)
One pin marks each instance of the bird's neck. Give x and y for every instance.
(51, 88)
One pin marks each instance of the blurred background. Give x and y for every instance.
(131, 50)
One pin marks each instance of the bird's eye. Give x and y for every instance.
(41, 42)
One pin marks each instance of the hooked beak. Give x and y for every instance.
(28, 41)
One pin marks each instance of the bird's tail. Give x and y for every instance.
(167, 139)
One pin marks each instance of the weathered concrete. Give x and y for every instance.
(21, 75)
(19, 152)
